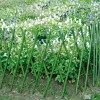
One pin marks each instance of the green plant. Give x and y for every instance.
(50, 41)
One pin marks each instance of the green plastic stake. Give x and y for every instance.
(88, 63)
(14, 74)
(3, 75)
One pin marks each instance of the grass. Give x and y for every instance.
(96, 96)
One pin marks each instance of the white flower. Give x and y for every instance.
(60, 42)
(78, 39)
(25, 23)
(68, 20)
(71, 52)
(7, 28)
(16, 25)
(55, 32)
(67, 39)
(36, 47)
(78, 43)
(2, 20)
(30, 25)
(87, 44)
(71, 21)
(4, 25)
(80, 23)
(72, 37)
(55, 41)
(67, 47)
(5, 54)
(87, 34)
(72, 44)
(12, 25)
(80, 33)
(60, 24)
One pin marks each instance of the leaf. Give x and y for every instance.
(73, 80)
(88, 1)
(58, 78)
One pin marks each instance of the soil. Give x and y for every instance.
(54, 92)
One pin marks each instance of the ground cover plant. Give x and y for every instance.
(57, 39)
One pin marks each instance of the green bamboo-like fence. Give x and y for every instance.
(92, 64)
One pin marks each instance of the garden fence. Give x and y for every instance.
(85, 67)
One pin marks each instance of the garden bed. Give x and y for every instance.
(53, 42)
